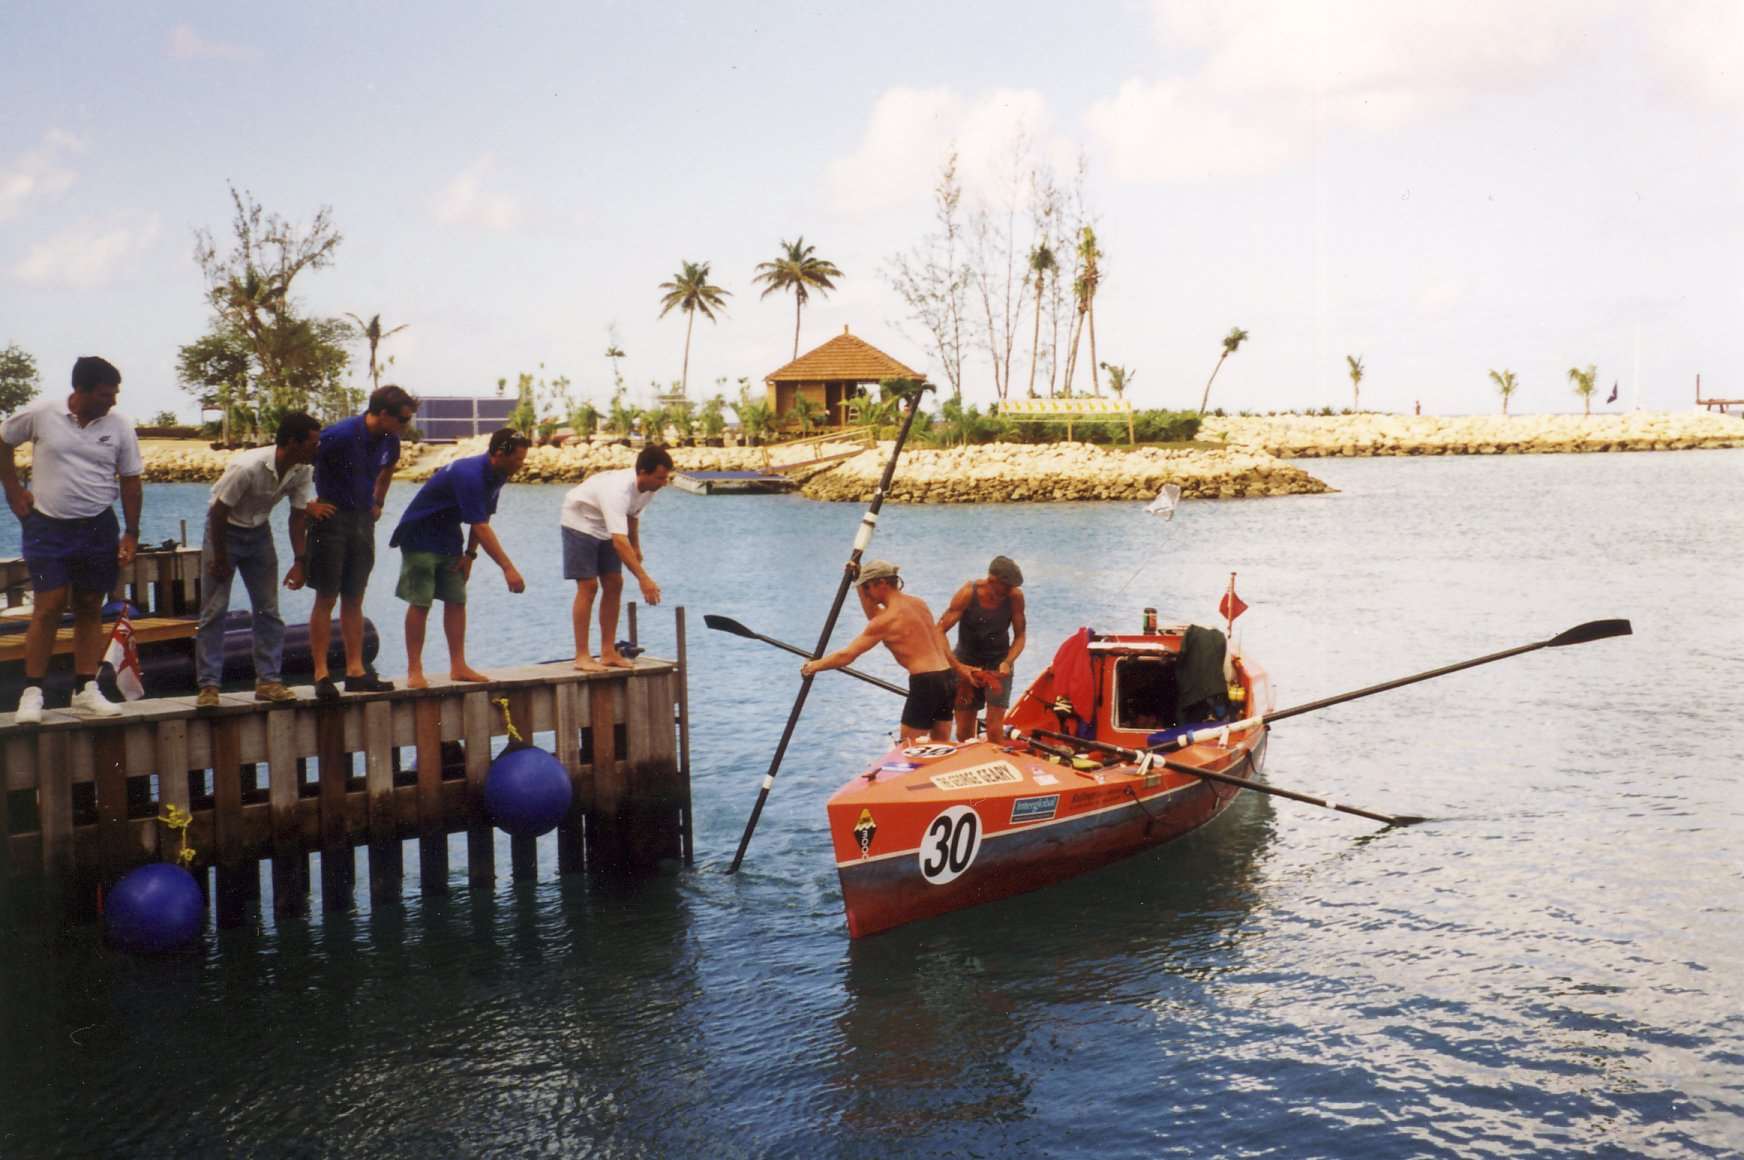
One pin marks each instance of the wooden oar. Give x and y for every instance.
(868, 524)
(1580, 634)
(728, 624)
(1240, 782)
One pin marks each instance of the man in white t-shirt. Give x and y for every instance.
(600, 539)
(84, 453)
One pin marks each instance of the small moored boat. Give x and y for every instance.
(933, 828)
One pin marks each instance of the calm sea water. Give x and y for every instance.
(1552, 965)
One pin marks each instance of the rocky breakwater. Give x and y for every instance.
(1019, 472)
(575, 461)
(1310, 436)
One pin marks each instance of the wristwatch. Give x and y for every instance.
(472, 555)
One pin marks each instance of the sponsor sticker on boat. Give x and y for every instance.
(1043, 778)
(898, 767)
(992, 773)
(865, 829)
(1035, 809)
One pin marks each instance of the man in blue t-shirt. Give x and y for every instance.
(353, 468)
(432, 564)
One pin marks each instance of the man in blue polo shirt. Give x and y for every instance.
(84, 454)
(432, 564)
(353, 468)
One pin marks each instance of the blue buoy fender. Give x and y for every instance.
(527, 791)
(154, 909)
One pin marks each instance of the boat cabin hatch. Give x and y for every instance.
(1145, 692)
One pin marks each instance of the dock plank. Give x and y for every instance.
(386, 859)
(433, 837)
(284, 791)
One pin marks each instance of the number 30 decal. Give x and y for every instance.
(950, 844)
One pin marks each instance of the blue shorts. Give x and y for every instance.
(77, 552)
(588, 558)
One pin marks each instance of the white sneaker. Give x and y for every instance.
(92, 701)
(29, 706)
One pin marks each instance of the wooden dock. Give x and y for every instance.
(161, 581)
(82, 797)
(732, 483)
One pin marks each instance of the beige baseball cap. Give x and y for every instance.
(875, 570)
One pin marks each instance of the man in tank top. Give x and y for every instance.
(904, 625)
(988, 614)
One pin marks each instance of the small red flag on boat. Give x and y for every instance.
(1231, 605)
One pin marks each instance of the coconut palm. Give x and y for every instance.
(1584, 384)
(1354, 364)
(1119, 378)
(1506, 384)
(1231, 343)
(690, 291)
(372, 333)
(805, 413)
(1041, 264)
(1091, 281)
(614, 352)
(800, 271)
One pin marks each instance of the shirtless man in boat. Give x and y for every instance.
(904, 625)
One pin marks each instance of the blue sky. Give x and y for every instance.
(1440, 188)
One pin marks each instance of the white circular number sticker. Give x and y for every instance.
(950, 844)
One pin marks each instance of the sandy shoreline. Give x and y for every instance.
(1250, 462)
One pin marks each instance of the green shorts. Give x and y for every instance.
(428, 576)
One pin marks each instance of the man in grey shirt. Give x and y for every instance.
(83, 455)
(239, 539)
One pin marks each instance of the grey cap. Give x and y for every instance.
(1005, 570)
(875, 570)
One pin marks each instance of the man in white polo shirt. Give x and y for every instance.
(600, 539)
(239, 539)
(84, 454)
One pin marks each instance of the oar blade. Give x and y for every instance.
(727, 624)
(1590, 631)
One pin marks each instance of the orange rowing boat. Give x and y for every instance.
(933, 828)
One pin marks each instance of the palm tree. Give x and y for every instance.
(1041, 263)
(1584, 383)
(1506, 384)
(800, 271)
(1354, 363)
(614, 352)
(804, 412)
(1119, 378)
(372, 333)
(1231, 343)
(691, 292)
(1091, 281)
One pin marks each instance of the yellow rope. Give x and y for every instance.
(508, 722)
(178, 819)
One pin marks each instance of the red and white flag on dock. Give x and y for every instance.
(1231, 605)
(124, 658)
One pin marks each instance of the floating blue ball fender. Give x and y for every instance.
(527, 791)
(114, 608)
(154, 909)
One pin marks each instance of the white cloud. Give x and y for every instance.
(89, 254)
(1272, 75)
(910, 132)
(41, 172)
(186, 44)
(1168, 131)
(466, 200)
(1699, 46)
